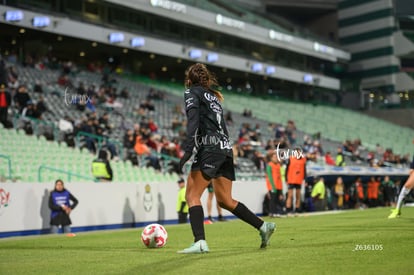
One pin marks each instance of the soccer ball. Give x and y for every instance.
(154, 236)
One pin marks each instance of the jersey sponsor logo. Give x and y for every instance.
(209, 165)
(210, 97)
(189, 102)
(224, 144)
(216, 108)
(187, 91)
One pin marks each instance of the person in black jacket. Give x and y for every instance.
(60, 203)
(207, 134)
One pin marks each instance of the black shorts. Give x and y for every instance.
(214, 165)
(294, 186)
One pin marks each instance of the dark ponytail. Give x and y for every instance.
(198, 74)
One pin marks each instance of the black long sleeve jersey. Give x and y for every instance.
(206, 128)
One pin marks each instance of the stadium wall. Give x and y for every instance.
(24, 206)
(368, 29)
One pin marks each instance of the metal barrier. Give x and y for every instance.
(6, 157)
(70, 174)
(36, 122)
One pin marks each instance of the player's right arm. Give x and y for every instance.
(192, 109)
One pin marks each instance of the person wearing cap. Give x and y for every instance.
(5, 101)
(21, 98)
(182, 206)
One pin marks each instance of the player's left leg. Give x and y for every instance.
(196, 184)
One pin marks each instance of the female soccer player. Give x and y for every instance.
(208, 136)
(405, 190)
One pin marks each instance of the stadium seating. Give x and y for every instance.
(29, 154)
(335, 125)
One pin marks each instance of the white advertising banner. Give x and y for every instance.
(24, 206)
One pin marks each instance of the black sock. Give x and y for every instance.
(197, 222)
(243, 213)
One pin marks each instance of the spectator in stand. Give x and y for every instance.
(388, 155)
(147, 105)
(64, 81)
(291, 132)
(129, 144)
(340, 159)
(13, 83)
(144, 152)
(104, 122)
(41, 106)
(247, 113)
(282, 143)
(152, 125)
(176, 124)
(280, 131)
(124, 93)
(379, 149)
(31, 111)
(258, 160)
(328, 159)
(88, 127)
(269, 145)
(129, 139)
(5, 102)
(21, 98)
(313, 152)
(38, 87)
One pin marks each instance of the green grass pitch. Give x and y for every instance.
(350, 242)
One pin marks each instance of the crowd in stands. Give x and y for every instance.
(142, 142)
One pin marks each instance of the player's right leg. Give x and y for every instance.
(409, 184)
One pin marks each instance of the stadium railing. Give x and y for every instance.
(36, 123)
(9, 166)
(70, 174)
